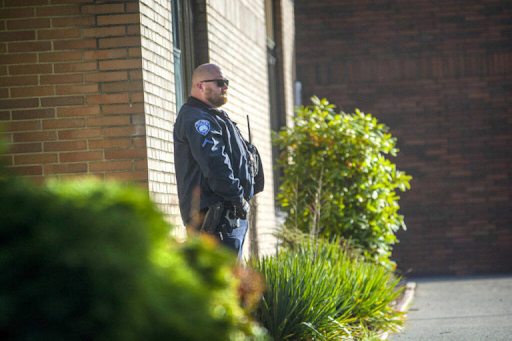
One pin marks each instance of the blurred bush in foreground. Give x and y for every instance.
(93, 261)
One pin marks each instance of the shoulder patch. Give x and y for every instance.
(202, 127)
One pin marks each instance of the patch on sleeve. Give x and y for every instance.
(203, 127)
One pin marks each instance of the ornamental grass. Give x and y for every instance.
(320, 291)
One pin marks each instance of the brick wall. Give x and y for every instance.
(71, 89)
(159, 104)
(439, 74)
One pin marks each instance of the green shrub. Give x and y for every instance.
(318, 291)
(337, 180)
(92, 261)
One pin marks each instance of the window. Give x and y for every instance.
(183, 48)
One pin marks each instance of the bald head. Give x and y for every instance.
(209, 92)
(205, 71)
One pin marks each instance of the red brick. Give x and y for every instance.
(66, 168)
(119, 42)
(137, 97)
(18, 81)
(60, 56)
(3, 48)
(63, 123)
(127, 176)
(139, 142)
(3, 70)
(108, 121)
(79, 134)
(20, 3)
(117, 154)
(123, 109)
(58, 33)
(132, 7)
(20, 148)
(77, 89)
(124, 131)
(105, 54)
(121, 64)
(78, 111)
(110, 143)
(75, 67)
(109, 31)
(73, 21)
(62, 79)
(121, 87)
(138, 119)
(133, 30)
(135, 75)
(20, 24)
(107, 166)
(55, 2)
(35, 136)
(81, 44)
(65, 146)
(103, 8)
(22, 125)
(33, 114)
(27, 170)
(106, 76)
(17, 36)
(34, 159)
(135, 52)
(4, 93)
(19, 103)
(32, 91)
(81, 156)
(32, 69)
(62, 101)
(12, 13)
(30, 46)
(140, 164)
(5, 115)
(20, 58)
(118, 19)
(105, 99)
(57, 11)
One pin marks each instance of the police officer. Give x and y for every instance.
(216, 167)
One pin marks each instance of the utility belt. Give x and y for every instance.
(214, 215)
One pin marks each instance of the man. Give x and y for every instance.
(215, 166)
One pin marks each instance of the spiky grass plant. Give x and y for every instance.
(318, 291)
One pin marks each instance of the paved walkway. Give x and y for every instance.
(465, 309)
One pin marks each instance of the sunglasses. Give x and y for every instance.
(220, 82)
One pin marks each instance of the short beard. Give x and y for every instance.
(217, 101)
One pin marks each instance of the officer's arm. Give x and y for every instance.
(209, 150)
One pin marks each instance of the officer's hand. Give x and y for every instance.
(242, 209)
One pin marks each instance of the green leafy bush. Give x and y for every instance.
(317, 290)
(337, 180)
(93, 261)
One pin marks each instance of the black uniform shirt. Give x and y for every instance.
(210, 157)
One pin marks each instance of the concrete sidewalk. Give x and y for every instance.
(466, 309)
